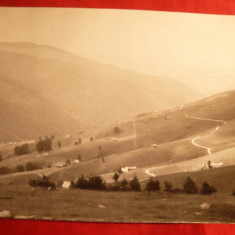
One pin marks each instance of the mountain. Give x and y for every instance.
(45, 90)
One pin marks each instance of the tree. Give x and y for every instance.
(168, 186)
(5, 170)
(209, 164)
(153, 185)
(31, 166)
(47, 144)
(116, 130)
(135, 184)
(19, 168)
(190, 186)
(100, 153)
(116, 177)
(124, 182)
(40, 145)
(59, 144)
(207, 189)
(79, 157)
(21, 150)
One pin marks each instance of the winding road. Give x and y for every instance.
(193, 141)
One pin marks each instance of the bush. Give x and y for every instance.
(135, 184)
(21, 150)
(124, 182)
(79, 157)
(92, 182)
(168, 186)
(44, 145)
(153, 185)
(115, 177)
(116, 130)
(19, 168)
(5, 170)
(177, 190)
(31, 166)
(190, 186)
(44, 182)
(207, 189)
(118, 187)
(233, 193)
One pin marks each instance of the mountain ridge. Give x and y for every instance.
(82, 91)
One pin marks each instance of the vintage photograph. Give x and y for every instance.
(117, 116)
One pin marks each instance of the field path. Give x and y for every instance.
(212, 132)
(193, 141)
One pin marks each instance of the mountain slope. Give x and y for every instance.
(84, 93)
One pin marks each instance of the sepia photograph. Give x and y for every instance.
(117, 116)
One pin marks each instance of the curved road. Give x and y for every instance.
(193, 141)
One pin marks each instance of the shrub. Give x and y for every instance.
(96, 182)
(124, 182)
(207, 189)
(190, 186)
(115, 177)
(153, 185)
(44, 145)
(44, 182)
(19, 168)
(21, 150)
(79, 157)
(118, 187)
(168, 186)
(5, 170)
(31, 166)
(116, 130)
(135, 184)
(177, 190)
(233, 193)
(92, 182)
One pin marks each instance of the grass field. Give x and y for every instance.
(174, 159)
(85, 205)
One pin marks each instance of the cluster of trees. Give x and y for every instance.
(21, 150)
(30, 166)
(44, 145)
(190, 187)
(43, 182)
(5, 170)
(92, 182)
(97, 183)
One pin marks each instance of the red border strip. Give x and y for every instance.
(225, 7)
(13, 227)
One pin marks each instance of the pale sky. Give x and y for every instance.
(196, 49)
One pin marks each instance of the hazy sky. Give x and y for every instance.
(194, 48)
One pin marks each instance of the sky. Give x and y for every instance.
(196, 49)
